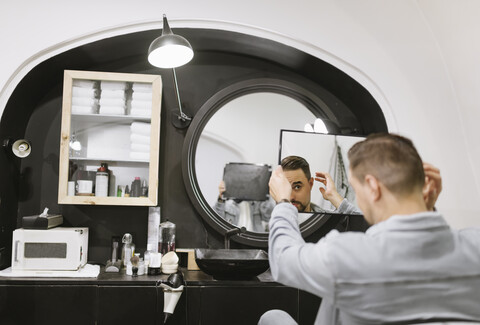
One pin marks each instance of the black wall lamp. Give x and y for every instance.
(170, 51)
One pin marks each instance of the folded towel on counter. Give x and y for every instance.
(139, 139)
(140, 155)
(113, 85)
(112, 110)
(85, 92)
(83, 110)
(141, 104)
(81, 101)
(113, 94)
(138, 147)
(142, 87)
(87, 271)
(85, 83)
(142, 95)
(112, 102)
(140, 128)
(141, 112)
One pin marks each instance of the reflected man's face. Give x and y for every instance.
(301, 189)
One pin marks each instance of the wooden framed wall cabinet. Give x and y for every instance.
(110, 137)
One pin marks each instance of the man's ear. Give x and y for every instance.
(373, 187)
(310, 182)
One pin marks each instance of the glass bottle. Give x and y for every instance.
(166, 237)
(128, 249)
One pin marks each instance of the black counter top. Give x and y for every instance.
(192, 279)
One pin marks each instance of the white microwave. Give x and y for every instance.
(59, 248)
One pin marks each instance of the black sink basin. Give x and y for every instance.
(232, 264)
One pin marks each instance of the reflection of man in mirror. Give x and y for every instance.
(253, 215)
(297, 171)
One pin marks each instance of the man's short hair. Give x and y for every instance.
(390, 158)
(294, 163)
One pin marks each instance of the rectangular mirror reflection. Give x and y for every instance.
(324, 153)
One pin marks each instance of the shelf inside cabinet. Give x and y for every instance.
(100, 118)
(111, 161)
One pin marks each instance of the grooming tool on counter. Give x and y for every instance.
(114, 265)
(42, 221)
(135, 260)
(172, 290)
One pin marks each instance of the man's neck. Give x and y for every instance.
(401, 206)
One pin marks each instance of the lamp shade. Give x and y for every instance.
(169, 50)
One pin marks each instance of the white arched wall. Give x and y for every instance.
(401, 51)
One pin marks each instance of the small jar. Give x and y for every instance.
(155, 264)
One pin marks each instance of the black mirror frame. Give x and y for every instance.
(318, 107)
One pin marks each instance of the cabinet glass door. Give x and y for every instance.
(110, 138)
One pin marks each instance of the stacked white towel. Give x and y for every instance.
(141, 104)
(140, 140)
(84, 96)
(113, 97)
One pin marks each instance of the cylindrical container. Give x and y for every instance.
(101, 182)
(71, 188)
(146, 256)
(166, 237)
(136, 187)
(155, 264)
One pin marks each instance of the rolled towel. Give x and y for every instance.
(84, 83)
(141, 112)
(76, 110)
(112, 110)
(112, 102)
(113, 85)
(85, 92)
(113, 94)
(141, 104)
(139, 139)
(81, 101)
(142, 87)
(140, 155)
(138, 147)
(142, 95)
(140, 128)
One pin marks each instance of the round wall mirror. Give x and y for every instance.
(241, 125)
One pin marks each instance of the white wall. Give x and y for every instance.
(417, 58)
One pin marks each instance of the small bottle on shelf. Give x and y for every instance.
(127, 191)
(144, 189)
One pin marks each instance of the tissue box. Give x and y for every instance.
(37, 222)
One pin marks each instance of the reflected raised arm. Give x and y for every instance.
(329, 192)
(280, 187)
